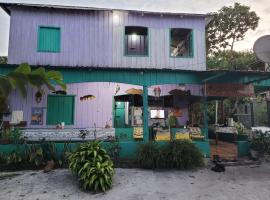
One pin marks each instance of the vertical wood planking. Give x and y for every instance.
(95, 39)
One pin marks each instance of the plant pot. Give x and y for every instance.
(254, 154)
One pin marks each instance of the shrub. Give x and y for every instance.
(174, 155)
(185, 155)
(93, 166)
(260, 142)
(147, 155)
(240, 127)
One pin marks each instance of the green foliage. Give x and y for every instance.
(233, 60)
(13, 158)
(16, 136)
(9, 136)
(147, 155)
(260, 142)
(34, 155)
(182, 154)
(3, 60)
(229, 25)
(23, 75)
(240, 127)
(93, 166)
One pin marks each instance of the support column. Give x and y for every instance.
(205, 117)
(145, 114)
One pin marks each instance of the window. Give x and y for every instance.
(49, 39)
(181, 42)
(60, 108)
(136, 41)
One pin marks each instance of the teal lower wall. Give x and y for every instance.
(128, 149)
(204, 147)
(243, 148)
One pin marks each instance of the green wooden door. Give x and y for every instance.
(60, 108)
(119, 118)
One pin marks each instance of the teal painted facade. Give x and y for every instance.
(128, 149)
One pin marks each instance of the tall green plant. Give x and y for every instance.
(147, 155)
(24, 75)
(181, 154)
(93, 166)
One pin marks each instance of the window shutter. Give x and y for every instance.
(49, 39)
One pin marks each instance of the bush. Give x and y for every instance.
(260, 142)
(174, 155)
(147, 155)
(93, 166)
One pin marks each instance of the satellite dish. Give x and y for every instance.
(261, 48)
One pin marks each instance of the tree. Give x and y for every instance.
(22, 76)
(3, 60)
(228, 26)
(233, 60)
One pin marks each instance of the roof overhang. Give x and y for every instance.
(260, 80)
(6, 4)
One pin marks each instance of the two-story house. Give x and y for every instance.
(130, 74)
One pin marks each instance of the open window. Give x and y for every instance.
(181, 42)
(136, 41)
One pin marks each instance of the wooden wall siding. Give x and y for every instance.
(96, 39)
(87, 113)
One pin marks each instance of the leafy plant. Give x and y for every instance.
(239, 127)
(147, 155)
(13, 158)
(16, 135)
(230, 25)
(35, 155)
(93, 166)
(24, 75)
(6, 136)
(176, 154)
(260, 142)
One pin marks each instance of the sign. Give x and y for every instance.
(37, 116)
(229, 90)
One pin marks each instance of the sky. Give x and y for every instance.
(261, 7)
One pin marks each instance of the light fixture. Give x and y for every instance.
(134, 37)
(116, 17)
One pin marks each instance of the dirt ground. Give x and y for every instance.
(245, 183)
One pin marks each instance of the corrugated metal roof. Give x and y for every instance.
(99, 5)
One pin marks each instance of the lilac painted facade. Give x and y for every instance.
(97, 112)
(95, 38)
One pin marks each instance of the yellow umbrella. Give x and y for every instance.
(134, 91)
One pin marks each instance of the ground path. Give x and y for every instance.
(245, 183)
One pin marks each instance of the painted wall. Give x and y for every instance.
(96, 38)
(87, 113)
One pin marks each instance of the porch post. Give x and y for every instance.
(145, 114)
(205, 117)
